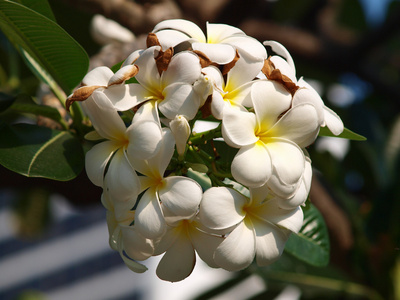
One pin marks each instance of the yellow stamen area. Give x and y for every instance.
(123, 141)
(160, 182)
(251, 210)
(156, 95)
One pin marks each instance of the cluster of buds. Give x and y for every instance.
(143, 116)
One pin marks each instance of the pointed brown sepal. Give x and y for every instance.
(275, 74)
(163, 59)
(152, 40)
(204, 60)
(81, 94)
(227, 67)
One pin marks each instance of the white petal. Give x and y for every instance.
(300, 125)
(170, 38)
(218, 53)
(144, 139)
(181, 196)
(301, 194)
(122, 180)
(178, 262)
(244, 71)
(180, 99)
(97, 159)
(270, 100)
(216, 33)
(126, 96)
(187, 27)
(270, 242)
(132, 58)
(240, 95)
(148, 111)
(131, 264)
(157, 165)
(113, 230)
(98, 76)
(260, 194)
(252, 165)
(304, 95)
(281, 50)
(238, 128)
(149, 220)
(221, 208)
(307, 94)
(218, 105)
(136, 246)
(288, 166)
(237, 251)
(184, 68)
(270, 212)
(105, 118)
(205, 245)
(148, 75)
(123, 211)
(333, 121)
(248, 46)
(284, 67)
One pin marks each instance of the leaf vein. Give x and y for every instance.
(44, 146)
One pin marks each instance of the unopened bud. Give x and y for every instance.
(123, 74)
(181, 130)
(81, 94)
(203, 87)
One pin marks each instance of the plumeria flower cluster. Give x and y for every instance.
(168, 190)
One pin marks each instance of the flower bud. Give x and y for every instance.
(181, 130)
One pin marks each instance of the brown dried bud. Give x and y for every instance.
(123, 74)
(152, 40)
(81, 94)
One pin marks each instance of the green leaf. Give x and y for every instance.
(53, 54)
(40, 6)
(37, 109)
(35, 151)
(346, 134)
(200, 178)
(311, 244)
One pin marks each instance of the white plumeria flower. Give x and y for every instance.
(235, 92)
(141, 138)
(305, 93)
(260, 227)
(172, 89)
(219, 46)
(123, 238)
(270, 140)
(301, 194)
(179, 243)
(165, 198)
